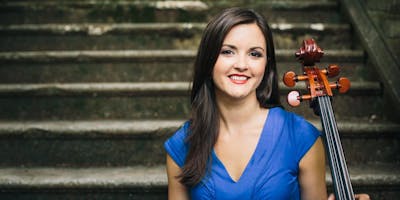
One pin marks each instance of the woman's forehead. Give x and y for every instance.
(247, 35)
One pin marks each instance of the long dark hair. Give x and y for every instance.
(204, 123)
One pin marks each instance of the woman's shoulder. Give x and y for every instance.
(181, 132)
(289, 116)
(294, 123)
(298, 131)
(176, 145)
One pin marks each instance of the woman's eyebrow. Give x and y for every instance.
(230, 46)
(257, 47)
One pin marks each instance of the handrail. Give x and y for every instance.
(378, 51)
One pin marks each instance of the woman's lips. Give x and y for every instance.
(238, 79)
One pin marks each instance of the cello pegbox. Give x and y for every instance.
(294, 98)
(290, 78)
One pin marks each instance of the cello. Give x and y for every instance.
(320, 100)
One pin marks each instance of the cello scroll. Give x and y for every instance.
(317, 79)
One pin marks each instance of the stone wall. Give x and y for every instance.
(386, 17)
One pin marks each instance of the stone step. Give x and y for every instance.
(149, 100)
(96, 36)
(141, 89)
(140, 142)
(150, 55)
(84, 183)
(380, 182)
(85, 143)
(143, 65)
(28, 11)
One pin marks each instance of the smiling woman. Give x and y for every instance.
(240, 66)
(239, 142)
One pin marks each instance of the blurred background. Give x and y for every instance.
(90, 89)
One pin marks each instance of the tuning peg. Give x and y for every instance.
(294, 98)
(343, 84)
(332, 71)
(290, 78)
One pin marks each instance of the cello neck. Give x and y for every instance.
(337, 162)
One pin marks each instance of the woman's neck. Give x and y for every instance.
(239, 113)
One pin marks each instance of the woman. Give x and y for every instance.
(239, 142)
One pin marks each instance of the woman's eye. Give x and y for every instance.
(256, 54)
(227, 52)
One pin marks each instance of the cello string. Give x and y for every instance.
(337, 143)
(329, 141)
(342, 168)
(339, 148)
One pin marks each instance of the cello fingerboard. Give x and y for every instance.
(337, 162)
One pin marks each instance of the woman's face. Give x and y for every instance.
(240, 66)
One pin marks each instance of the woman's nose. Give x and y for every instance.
(241, 63)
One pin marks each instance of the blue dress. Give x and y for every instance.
(272, 172)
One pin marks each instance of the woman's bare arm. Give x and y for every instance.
(176, 191)
(312, 173)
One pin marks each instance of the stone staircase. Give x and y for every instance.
(90, 90)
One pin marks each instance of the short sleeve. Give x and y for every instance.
(176, 146)
(305, 136)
